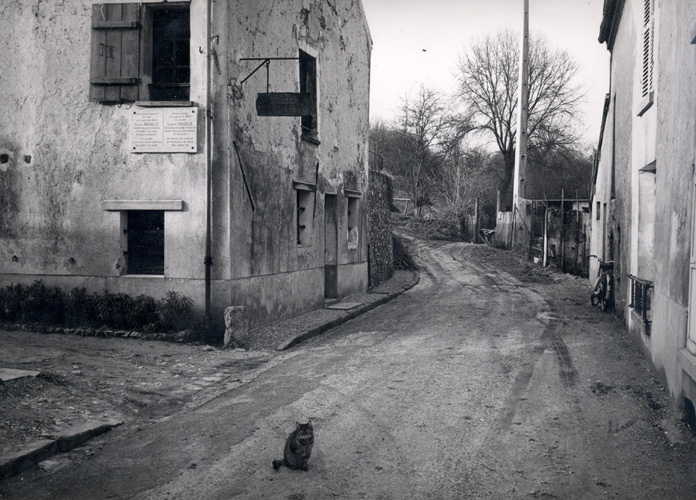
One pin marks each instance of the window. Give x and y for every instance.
(145, 242)
(308, 85)
(598, 211)
(353, 222)
(171, 71)
(641, 300)
(646, 222)
(140, 52)
(304, 215)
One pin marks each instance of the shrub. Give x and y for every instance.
(144, 313)
(402, 257)
(175, 312)
(11, 299)
(77, 308)
(35, 303)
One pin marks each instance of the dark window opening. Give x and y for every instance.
(171, 67)
(308, 85)
(304, 217)
(353, 222)
(145, 232)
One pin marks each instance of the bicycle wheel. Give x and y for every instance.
(606, 296)
(596, 295)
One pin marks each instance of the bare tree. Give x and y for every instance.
(488, 77)
(428, 128)
(421, 122)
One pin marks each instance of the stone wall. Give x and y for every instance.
(380, 236)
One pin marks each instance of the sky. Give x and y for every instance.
(420, 41)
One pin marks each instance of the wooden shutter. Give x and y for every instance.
(115, 56)
(648, 43)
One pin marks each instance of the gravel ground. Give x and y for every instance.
(271, 336)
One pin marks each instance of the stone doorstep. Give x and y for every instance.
(12, 374)
(36, 452)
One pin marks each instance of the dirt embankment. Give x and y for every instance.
(84, 379)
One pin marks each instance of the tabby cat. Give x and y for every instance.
(298, 448)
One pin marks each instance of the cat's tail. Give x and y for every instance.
(277, 464)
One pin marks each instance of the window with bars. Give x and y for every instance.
(171, 71)
(145, 237)
(641, 300)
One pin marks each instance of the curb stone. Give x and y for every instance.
(350, 314)
(14, 463)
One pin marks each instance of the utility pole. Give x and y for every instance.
(523, 116)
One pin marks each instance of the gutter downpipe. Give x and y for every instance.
(208, 163)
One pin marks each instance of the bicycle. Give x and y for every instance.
(603, 290)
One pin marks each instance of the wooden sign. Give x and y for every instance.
(283, 104)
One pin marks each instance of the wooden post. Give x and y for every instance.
(546, 233)
(577, 231)
(520, 173)
(562, 230)
(530, 230)
(497, 204)
(476, 222)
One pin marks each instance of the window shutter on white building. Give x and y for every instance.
(648, 48)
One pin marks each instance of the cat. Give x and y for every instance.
(298, 448)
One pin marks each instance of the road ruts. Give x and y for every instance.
(474, 384)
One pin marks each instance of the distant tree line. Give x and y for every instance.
(446, 151)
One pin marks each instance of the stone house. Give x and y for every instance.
(216, 149)
(643, 200)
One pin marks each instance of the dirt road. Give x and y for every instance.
(489, 379)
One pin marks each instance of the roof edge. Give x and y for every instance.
(608, 18)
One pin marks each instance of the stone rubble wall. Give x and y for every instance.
(380, 201)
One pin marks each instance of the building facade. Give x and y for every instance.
(215, 149)
(644, 181)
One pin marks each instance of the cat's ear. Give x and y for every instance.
(297, 424)
(310, 422)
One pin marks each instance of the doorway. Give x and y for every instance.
(330, 247)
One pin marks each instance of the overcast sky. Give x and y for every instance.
(420, 40)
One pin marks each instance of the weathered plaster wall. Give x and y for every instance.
(271, 153)
(666, 135)
(66, 155)
(676, 151)
(614, 240)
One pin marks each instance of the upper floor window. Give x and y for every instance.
(308, 85)
(171, 71)
(140, 52)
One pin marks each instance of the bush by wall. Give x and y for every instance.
(77, 308)
(402, 256)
